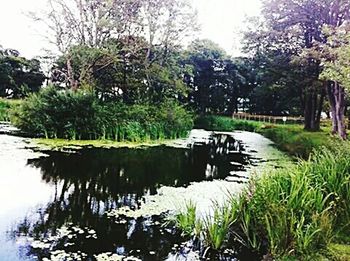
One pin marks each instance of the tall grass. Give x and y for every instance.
(295, 211)
(80, 115)
(217, 227)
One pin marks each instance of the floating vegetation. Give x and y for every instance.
(115, 257)
(66, 236)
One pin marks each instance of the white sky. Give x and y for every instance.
(220, 20)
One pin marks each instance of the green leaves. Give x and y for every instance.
(80, 115)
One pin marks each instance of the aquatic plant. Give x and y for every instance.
(187, 222)
(295, 209)
(217, 226)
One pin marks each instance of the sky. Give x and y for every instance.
(220, 20)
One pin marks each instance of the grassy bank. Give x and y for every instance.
(299, 212)
(292, 139)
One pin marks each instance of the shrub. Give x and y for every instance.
(60, 114)
(81, 115)
(6, 105)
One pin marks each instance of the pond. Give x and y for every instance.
(102, 204)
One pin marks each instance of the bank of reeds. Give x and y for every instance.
(80, 115)
(294, 212)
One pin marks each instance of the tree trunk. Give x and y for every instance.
(336, 95)
(319, 108)
(332, 102)
(339, 95)
(313, 108)
(71, 80)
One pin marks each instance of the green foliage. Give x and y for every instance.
(294, 140)
(4, 108)
(221, 123)
(80, 115)
(217, 227)
(18, 75)
(6, 105)
(335, 56)
(216, 82)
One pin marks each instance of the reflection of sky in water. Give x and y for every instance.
(22, 189)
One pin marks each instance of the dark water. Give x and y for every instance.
(82, 187)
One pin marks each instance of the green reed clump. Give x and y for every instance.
(294, 211)
(187, 221)
(81, 115)
(217, 226)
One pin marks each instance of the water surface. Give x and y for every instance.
(95, 201)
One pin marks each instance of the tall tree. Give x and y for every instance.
(305, 19)
(336, 71)
(215, 80)
(18, 75)
(161, 24)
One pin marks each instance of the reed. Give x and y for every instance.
(80, 115)
(294, 212)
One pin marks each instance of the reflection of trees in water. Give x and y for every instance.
(93, 181)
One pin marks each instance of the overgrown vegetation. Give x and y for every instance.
(80, 115)
(296, 211)
(292, 139)
(5, 107)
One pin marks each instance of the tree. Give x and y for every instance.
(215, 80)
(305, 20)
(277, 81)
(152, 28)
(336, 71)
(18, 75)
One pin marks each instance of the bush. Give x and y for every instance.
(80, 115)
(60, 114)
(6, 105)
